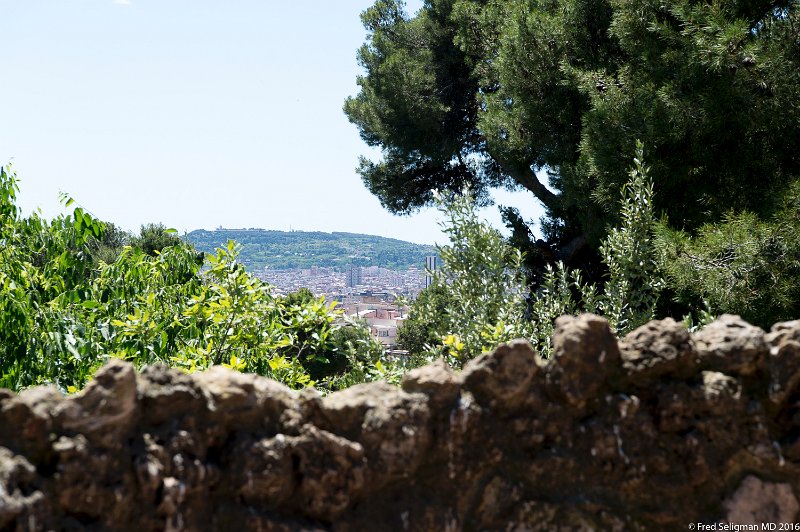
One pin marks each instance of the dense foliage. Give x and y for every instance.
(464, 96)
(63, 311)
(480, 280)
(742, 265)
(485, 93)
(300, 249)
(478, 298)
(153, 238)
(490, 92)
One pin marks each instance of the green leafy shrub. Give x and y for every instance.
(479, 298)
(481, 283)
(153, 238)
(421, 328)
(631, 292)
(63, 312)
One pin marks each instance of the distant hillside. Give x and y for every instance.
(300, 249)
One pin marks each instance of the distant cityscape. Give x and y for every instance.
(365, 274)
(368, 293)
(354, 281)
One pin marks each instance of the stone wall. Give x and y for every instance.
(658, 431)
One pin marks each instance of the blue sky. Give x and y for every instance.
(196, 114)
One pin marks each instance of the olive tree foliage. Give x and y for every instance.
(481, 280)
(479, 296)
(485, 93)
(422, 328)
(64, 312)
(152, 239)
(109, 244)
(634, 280)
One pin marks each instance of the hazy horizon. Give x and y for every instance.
(196, 115)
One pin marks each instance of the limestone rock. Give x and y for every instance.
(244, 399)
(26, 420)
(105, 411)
(392, 425)
(438, 381)
(657, 348)
(502, 379)
(731, 345)
(19, 502)
(756, 502)
(585, 356)
(784, 363)
(657, 431)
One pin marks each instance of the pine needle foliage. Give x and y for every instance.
(743, 265)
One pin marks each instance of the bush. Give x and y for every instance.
(478, 298)
(63, 313)
(481, 283)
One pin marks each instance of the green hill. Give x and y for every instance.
(299, 249)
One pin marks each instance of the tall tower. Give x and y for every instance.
(353, 275)
(430, 269)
